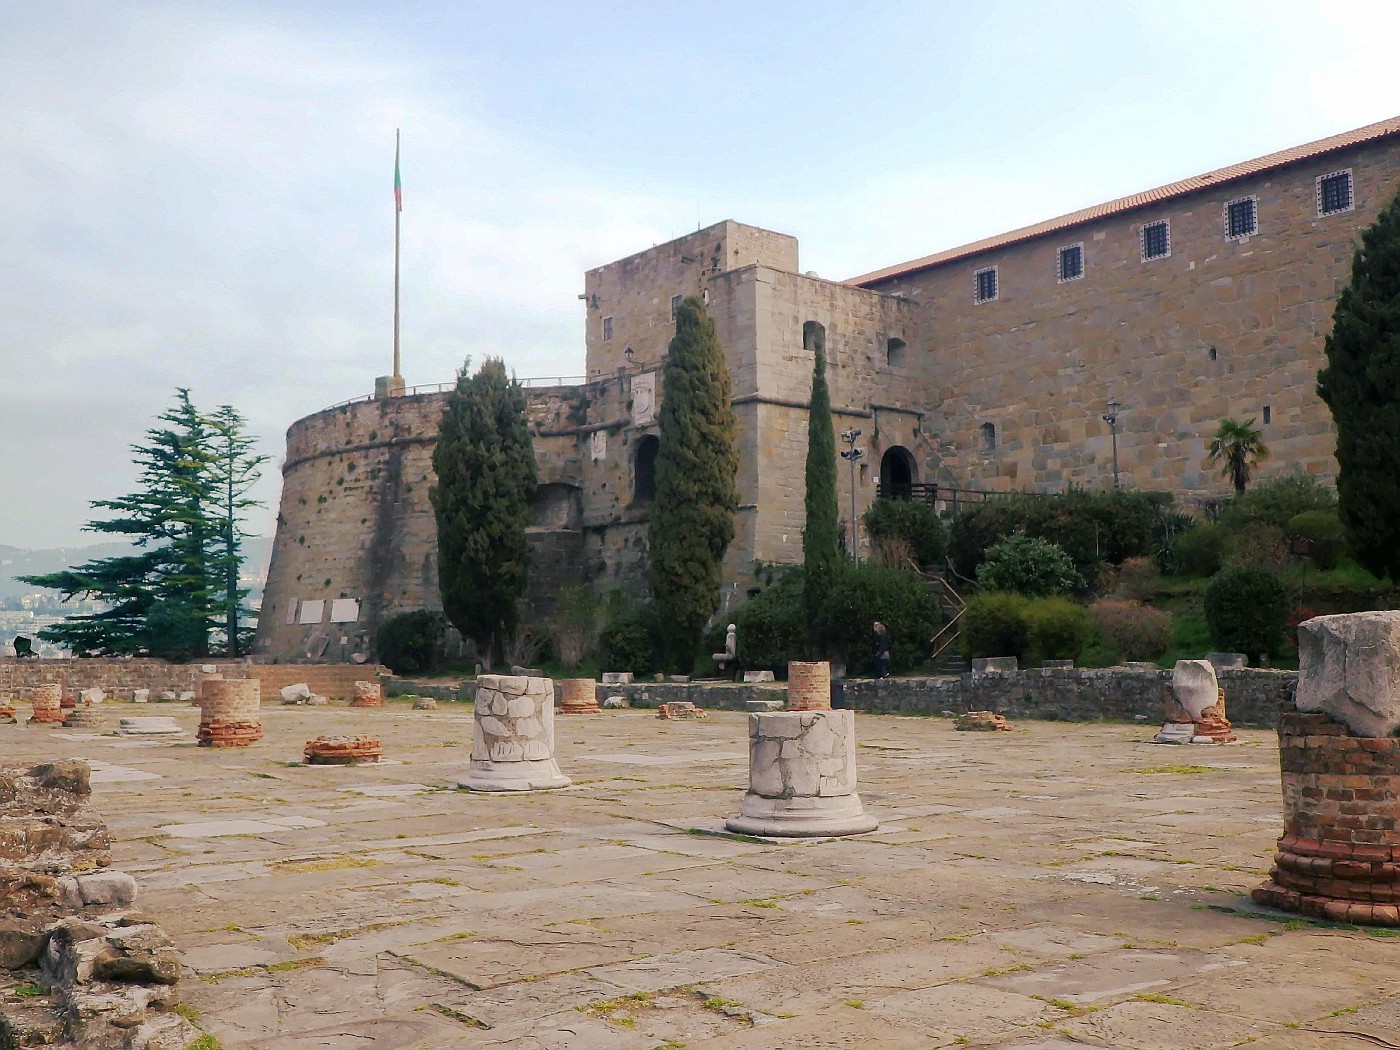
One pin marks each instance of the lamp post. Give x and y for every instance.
(852, 454)
(1111, 418)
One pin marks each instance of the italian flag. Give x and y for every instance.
(398, 182)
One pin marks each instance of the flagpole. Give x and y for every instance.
(398, 213)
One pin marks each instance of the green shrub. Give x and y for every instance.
(1324, 529)
(1258, 545)
(772, 626)
(915, 524)
(1170, 527)
(1137, 579)
(1201, 550)
(1058, 629)
(407, 643)
(995, 624)
(1091, 527)
(628, 642)
(1276, 501)
(1028, 566)
(900, 600)
(1131, 630)
(1245, 610)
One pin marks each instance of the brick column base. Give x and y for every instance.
(809, 686)
(1339, 857)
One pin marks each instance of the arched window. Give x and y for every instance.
(989, 436)
(644, 469)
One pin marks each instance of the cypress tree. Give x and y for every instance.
(821, 535)
(485, 466)
(692, 517)
(1361, 386)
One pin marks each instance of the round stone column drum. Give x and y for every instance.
(368, 694)
(1339, 857)
(809, 686)
(578, 696)
(229, 712)
(48, 703)
(802, 776)
(513, 736)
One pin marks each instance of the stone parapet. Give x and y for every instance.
(513, 736)
(1339, 856)
(802, 776)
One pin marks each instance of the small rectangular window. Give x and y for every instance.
(675, 305)
(1268, 414)
(1156, 240)
(1241, 218)
(1334, 193)
(1071, 263)
(607, 328)
(986, 288)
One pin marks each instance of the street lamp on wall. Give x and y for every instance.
(1111, 418)
(852, 454)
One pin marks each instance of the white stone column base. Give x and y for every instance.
(513, 776)
(802, 777)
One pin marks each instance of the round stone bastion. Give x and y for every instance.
(513, 736)
(802, 776)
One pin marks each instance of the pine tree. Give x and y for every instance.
(165, 599)
(1238, 447)
(821, 535)
(692, 517)
(486, 477)
(235, 468)
(1361, 386)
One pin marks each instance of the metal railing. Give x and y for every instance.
(440, 388)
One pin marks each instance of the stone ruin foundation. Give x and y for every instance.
(148, 726)
(513, 736)
(48, 703)
(679, 711)
(368, 694)
(1195, 707)
(802, 776)
(108, 974)
(578, 696)
(229, 712)
(342, 750)
(1339, 760)
(982, 722)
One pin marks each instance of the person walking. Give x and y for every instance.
(882, 650)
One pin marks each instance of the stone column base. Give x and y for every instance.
(578, 696)
(228, 734)
(83, 718)
(540, 775)
(802, 777)
(47, 716)
(1339, 856)
(342, 750)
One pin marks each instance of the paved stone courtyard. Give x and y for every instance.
(1060, 885)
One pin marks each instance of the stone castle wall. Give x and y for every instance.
(1041, 360)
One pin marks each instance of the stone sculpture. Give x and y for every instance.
(513, 736)
(802, 777)
(1339, 760)
(1195, 707)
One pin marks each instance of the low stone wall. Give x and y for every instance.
(119, 677)
(396, 686)
(1253, 697)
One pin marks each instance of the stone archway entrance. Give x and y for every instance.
(897, 473)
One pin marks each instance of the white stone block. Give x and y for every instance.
(140, 696)
(107, 887)
(1195, 686)
(758, 676)
(1175, 733)
(615, 702)
(92, 696)
(1349, 667)
(295, 694)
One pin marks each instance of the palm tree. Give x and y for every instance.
(1238, 447)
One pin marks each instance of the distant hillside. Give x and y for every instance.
(21, 561)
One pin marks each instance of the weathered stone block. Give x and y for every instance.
(1349, 667)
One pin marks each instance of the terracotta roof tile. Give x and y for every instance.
(1173, 189)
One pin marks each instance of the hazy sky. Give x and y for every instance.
(201, 194)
